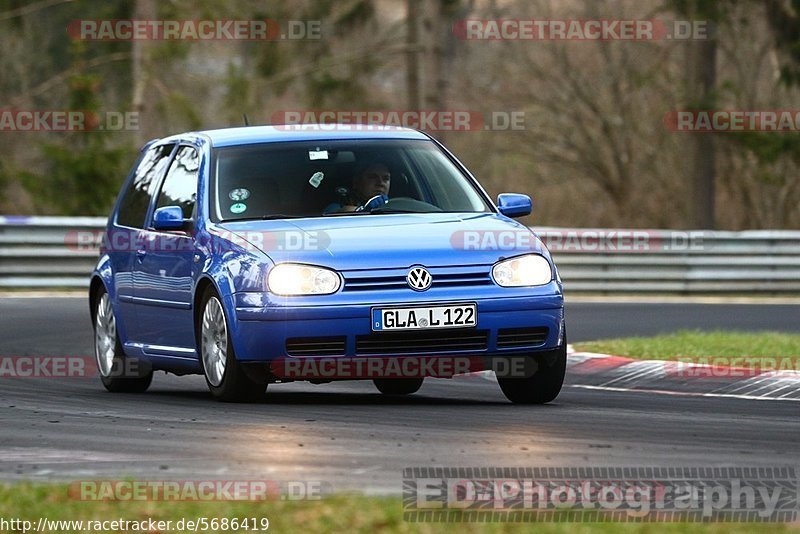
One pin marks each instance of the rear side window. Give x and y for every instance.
(180, 185)
(136, 200)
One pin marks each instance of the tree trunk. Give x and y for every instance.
(143, 98)
(412, 54)
(435, 29)
(702, 65)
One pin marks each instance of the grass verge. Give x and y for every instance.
(339, 513)
(739, 348)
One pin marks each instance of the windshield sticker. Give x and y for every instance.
(316, 179)
(317, 154)
(238, 208)
(239, 194)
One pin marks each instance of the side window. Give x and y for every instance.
(136, 200)
(180, 185)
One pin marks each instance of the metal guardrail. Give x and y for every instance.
(676, 262)
(47, 252)
(59, 252)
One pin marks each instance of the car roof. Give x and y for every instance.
(300, 132)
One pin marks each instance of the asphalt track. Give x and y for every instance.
(348, 436)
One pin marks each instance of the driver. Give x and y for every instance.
(374, 179)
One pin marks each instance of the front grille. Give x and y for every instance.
(521, 337)
(316, 346)
(375, 282)
(422, 341)
(388, 279)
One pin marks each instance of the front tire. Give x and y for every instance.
(398, 386)
(118, 373)
(225, 376)
(544, 385)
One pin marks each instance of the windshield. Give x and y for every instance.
(337, 178)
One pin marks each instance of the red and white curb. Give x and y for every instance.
(615, 373)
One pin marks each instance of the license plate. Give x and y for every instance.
(425, 317)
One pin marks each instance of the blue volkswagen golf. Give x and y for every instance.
(270, 254)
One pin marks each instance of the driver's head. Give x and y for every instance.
(375, 179)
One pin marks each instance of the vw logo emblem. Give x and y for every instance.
(419, 279)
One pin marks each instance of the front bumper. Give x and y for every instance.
(267, 333)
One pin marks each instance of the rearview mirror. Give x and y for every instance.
(514, 204)
(168, 218)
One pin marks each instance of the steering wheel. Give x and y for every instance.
(410, 205)
(375, 202)
(400, 204)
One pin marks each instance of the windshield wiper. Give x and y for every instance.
(378, 211)
(271, 216)
(339, 213)
(373, 212)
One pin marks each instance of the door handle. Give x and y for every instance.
(140, 254)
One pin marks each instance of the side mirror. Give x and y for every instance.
(514, 204)
(168, 218)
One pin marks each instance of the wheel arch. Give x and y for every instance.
(200, 289)
(96, 285)
(222, 286)
(102, 278)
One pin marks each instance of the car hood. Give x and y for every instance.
(390, 240)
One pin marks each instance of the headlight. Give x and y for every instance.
(528, 270)
(295, 279)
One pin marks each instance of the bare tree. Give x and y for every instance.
(143, 99)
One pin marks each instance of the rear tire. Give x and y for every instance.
(398, 386)
(544, 385)
(118, 373)
(225, 376)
